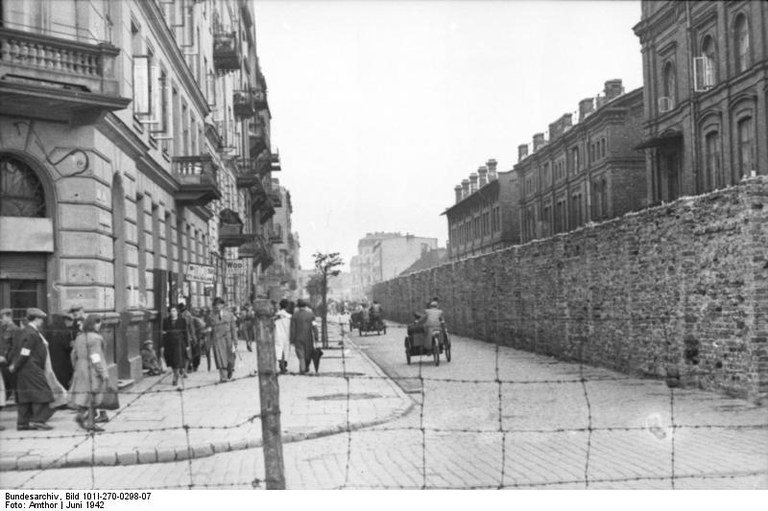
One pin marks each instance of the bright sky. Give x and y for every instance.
(380, 108)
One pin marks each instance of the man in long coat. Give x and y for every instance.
(224, 339)
(303, 334)
(33, 392)
(8, 338)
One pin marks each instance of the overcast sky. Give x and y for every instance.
(380, 108)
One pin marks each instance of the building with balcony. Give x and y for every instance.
(127, 173)
(283, 273)
(484, 216)
(706, 95)
(587, 169)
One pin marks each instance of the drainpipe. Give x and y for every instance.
(693, 102)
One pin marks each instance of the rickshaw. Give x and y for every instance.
(420, 343)
(373, 325)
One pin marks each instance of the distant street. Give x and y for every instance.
(555, 432)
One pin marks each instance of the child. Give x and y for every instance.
(149, 359)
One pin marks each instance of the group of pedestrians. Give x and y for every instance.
(68, 371)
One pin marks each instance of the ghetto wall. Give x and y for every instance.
(678, 288)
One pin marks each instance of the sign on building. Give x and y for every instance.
(200, 273)
(235, 267)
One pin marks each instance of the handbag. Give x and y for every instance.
(110, 399)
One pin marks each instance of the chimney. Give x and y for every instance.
(465, 188)
(566, 122)
(458, 191)
(483, 173)
(491, 164)
(522, 152)
(613, 89)
(558, 127)
(586, 106)
(538, 141)
(472, 183)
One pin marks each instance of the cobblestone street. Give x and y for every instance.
(542, 427)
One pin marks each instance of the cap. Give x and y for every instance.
(68, 316)
(218, 300)
(301, 302)
(6, 312)
(148, 341)
(34, 312)
(75, 308)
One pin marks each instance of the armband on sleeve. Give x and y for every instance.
(95, 358)
(25, 352)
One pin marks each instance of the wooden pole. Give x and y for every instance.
(269, 394)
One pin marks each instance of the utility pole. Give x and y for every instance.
(325, 264)
(269, 396)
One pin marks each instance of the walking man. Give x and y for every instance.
(224, 338)
(33, 394)
(303, 334)
(8, 339)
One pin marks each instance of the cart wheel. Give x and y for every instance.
(360, 331)
(436, 351)
(447, 347)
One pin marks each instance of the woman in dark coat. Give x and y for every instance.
(176, 349)
(61, 338)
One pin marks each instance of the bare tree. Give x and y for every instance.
(325, 265)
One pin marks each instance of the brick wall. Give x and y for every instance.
(681, 285)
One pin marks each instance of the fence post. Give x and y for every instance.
(269, 396)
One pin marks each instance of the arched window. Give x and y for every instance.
(709, 53)
(741, 43)
(21, 192)
(669, 86)
(713, 177)
(746, 146)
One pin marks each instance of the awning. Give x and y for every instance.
(666, 138)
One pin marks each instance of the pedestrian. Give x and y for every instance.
(207, 318)
(282, 335)
(33, 392)
(9, 333)
(200, 331)
(78, 318)
(149, 361)
(224, 340)
(175, 348)
(61, 337)
(303, 334)
(192, 342)
(249, 327)
(90, 378)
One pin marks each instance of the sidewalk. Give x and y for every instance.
(158, 423)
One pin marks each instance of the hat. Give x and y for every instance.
(218, 300)
(301, 302)
(6, 312)
(148, 341)
(68, 316)
(433, 303)
(75, 308)
(34, 312)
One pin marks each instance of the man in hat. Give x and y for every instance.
(61, 337)
(33, 393)
(223, 339)
(303, 334)
(433, 320)
(8, 335)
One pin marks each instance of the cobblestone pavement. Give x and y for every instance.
(498, 418)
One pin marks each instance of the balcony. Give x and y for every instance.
(276, 236)
(260, 99)
(226, 51)
(258, 136)
(276, 163)
(247, 176)
(198, 183)
(257, 249)
(275, 197)
(57, 79)
(242, 104)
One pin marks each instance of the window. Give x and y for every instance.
(741, 43)
(576, 211)
(744, 132)
(21, 192)
(602, 148)
(706, 75)
(713, 177)
(142, 64)
(575, 160)
(560, 215)
(591, 153)
(669, 88)
(546, 175)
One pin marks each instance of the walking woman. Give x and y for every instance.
(176, 350)
(90, 378)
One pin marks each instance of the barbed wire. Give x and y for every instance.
(424, 379)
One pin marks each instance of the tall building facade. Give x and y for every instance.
(281, 277)
(392, 256)
(135, 160)
(362, 265)
(587, 169)
(706, 94)
(484, 216)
